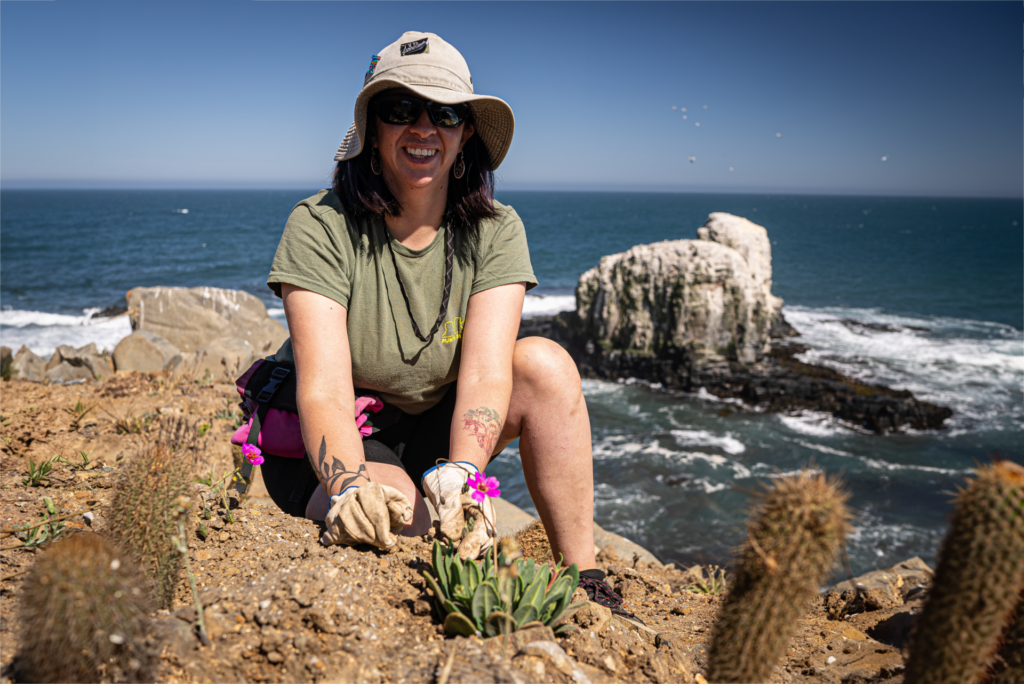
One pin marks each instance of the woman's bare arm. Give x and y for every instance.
(485, 372)
(325, 395)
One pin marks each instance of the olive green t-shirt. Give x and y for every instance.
(347, 260)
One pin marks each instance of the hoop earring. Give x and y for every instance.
(375, 161)
(459, 170)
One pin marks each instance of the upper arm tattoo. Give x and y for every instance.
(331, 472)
(485, 425)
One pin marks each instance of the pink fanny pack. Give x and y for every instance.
(272, 418)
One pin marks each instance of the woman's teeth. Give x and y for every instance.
(416, 152)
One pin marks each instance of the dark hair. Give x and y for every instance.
(364, 194)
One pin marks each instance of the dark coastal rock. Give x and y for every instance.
(110, 312)
(776, 382)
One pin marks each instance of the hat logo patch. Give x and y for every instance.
(373, 64)
(417, 47)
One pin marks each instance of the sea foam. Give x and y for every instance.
(43, 332)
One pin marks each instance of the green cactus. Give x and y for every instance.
(481, 598)
(792, 541)
(1009, 668)
(83, 616)
(143, 515)
(978, 582)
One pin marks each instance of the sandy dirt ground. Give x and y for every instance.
(280, 607)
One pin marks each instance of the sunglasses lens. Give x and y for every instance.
(399, 110)
(403, 109)
(448, 115)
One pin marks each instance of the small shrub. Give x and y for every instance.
(36, 474)
(83, 616)
(78, 412)
(710, 580)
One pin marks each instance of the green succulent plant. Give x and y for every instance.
(488, 599)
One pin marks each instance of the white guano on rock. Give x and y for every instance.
(710, 298)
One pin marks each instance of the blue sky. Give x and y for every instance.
(235, 93)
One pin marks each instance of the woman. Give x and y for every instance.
(407, 282)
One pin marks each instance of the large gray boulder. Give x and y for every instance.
(83, 363)
(28, 365)
(709, 298)
(145, 351)
(223, 359)
(191, 318)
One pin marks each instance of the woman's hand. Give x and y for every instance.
(444, 485)
(371, 514)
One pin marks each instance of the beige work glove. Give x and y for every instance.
(368, 514)
(444, 486)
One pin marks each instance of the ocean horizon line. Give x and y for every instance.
(594, 189)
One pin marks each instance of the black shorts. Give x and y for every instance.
(413, 443)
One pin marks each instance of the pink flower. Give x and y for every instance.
(252, 454)
(483, 487)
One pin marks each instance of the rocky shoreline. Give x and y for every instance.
(700, 314)
(777, 382)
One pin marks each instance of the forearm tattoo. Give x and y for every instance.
(331, 472)
(485, 425)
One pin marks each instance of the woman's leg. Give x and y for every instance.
(389, 475)
(549, 415)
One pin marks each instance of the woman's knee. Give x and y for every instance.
(544, 365)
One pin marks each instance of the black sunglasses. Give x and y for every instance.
(406, 109)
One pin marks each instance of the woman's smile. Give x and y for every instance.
(420, 155)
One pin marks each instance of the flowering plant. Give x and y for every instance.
(252, 453)
(483, 487)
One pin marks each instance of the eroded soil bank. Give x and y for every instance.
(282, 608)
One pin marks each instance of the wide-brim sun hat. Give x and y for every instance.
(434, 70)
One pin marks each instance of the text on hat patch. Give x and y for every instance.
(417, 47)
(373, 64)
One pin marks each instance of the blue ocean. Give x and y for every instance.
(918, 293)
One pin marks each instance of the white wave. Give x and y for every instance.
(823, 449)
(812, 424)
(704, 395)
(181, 211)
(43, 332)
(886, 465)
(727, 443)
(974, 367)
(275, 313)
(547, 305)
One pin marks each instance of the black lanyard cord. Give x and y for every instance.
(449, 258)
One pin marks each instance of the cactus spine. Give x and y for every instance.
(143, 517)
(792, 540)
(978, 581)
(83, 616)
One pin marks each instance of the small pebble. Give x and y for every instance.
(831, 659)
